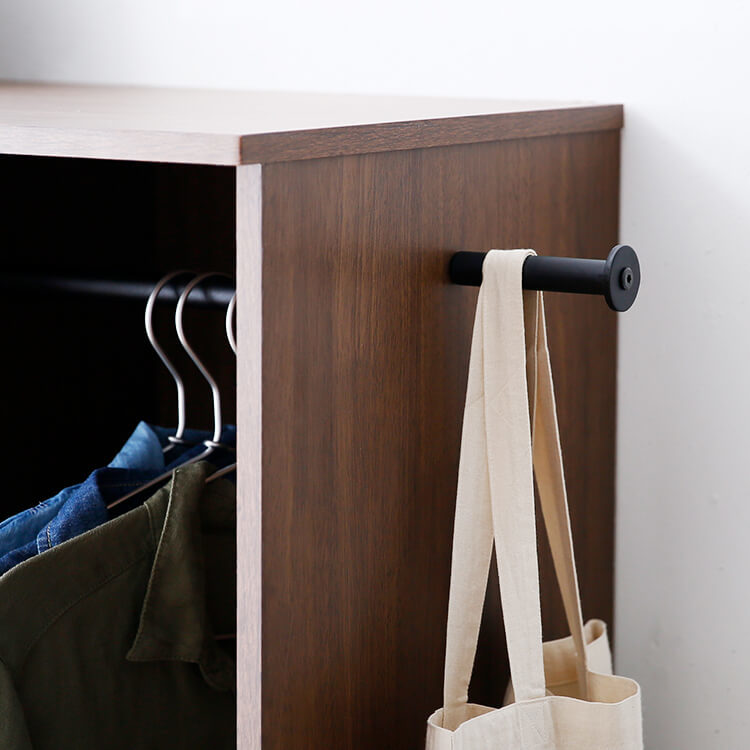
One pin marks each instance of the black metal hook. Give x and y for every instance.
(617, 278)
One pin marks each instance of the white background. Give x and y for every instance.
(681, 69)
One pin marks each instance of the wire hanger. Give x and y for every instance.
(233, 343)
(177, 438)
(228, 323)
(213, 443)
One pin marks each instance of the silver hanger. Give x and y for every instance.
(215, 393)
(228, 323)
(177, 438)
(212, 443)
(233, 343)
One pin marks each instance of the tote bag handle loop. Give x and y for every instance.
(495, 488)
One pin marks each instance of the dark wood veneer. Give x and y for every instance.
(365, 354)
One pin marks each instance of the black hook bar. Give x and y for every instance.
(216, 294)
(617, 278)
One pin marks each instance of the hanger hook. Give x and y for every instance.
(215, 394)
(152, 298)
(229, 326)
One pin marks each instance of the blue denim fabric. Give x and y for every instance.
(85, 509)
(82, 507)
(17, 530)
(144, 449)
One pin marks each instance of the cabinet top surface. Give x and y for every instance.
(234, 127)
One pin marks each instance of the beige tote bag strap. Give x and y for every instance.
(550, 479)
(495, 483)
(472, 540)
(509, 459)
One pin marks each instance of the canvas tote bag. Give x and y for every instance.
(577, 704)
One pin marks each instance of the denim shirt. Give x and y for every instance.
(143, 450)
(83, 507)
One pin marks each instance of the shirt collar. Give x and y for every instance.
(144, 449)
(174, 622)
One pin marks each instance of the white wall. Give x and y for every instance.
(681, 68)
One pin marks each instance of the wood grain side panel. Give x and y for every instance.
(250, 451)
(365, 354)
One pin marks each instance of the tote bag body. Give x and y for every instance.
(565, 697)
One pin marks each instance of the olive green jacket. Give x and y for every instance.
(108, 641)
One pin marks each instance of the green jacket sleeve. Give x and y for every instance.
(13, 732)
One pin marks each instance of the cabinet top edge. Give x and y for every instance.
(236, 127)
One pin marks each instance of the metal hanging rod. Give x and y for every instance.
(217, 293)
(617, 278)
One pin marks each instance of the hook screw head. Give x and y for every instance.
(626, 278)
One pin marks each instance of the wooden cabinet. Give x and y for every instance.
(340, 215)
